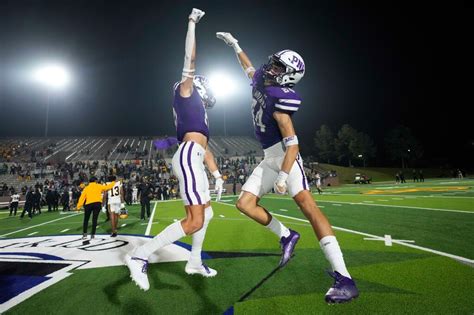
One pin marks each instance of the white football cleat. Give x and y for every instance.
(203, 270)
(196, 15)
(138, 268)
(227, 38)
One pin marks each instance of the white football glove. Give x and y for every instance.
(219, 184)
(227, 38)
(280, 184)
(104, 209)
(196, 15)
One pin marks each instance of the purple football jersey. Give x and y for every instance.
(266, 100)
(189, 114)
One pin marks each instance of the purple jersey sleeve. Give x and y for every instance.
(285, 100)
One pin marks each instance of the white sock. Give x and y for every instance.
(169, 235)
(198, 239)
(278, 228)
(333, 254)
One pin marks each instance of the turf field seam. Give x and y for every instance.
(44, 223)
(150, 221)
(459, 258)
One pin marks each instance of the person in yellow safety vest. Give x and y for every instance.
(91, 199)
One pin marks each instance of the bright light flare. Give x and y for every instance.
(222, 85)
(52, 76)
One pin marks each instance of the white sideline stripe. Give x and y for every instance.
(405, 196)
(390, 206)
(33, 233)
(150, 221)
(399, 242)
(65, 230)
(33, 226)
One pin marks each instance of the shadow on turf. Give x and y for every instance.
(197, 283)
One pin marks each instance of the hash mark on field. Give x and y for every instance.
(284, 210)
(336, 204)
(321, 206)
(221, 216)
(65, 230)
(33, 233)
(367, 201)
(123, 225)
(382, 200)
(242, 213)
(397, 198)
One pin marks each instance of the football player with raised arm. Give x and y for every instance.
(274, 102)
(192, 97)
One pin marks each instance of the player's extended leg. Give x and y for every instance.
(112, 220)
(137, 262)
(195, 264)
(344, 288)
(248, 205)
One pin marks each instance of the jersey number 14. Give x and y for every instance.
(258, 116)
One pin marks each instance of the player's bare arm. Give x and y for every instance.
(213, 169)
(244, 60)
(287, 131)
(189, 67)
(292, 149)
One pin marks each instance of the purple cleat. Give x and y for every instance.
(343, 290)
(287, 246)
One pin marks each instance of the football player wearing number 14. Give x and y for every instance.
(274, 102)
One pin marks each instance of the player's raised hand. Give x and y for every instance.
(196, 15)
(227, 38)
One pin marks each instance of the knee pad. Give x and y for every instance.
(208, 214)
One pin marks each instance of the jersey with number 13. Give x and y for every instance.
(266, 100)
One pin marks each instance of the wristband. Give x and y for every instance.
(216, 174)
(291, 140)
(237, 48)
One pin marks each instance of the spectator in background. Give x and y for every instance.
(37, 200)
(402, 177)
(318, 183)
(28, 204)
(145, 192)
(65, 200)
(50, 200)
(14, 200)
(420, 176)
(397, 178)
(415, 176)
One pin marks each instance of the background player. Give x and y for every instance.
(115, 203)
(274, 102)
(191, 99)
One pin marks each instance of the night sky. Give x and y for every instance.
(372, 66)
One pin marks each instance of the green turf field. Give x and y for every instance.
(431, 272)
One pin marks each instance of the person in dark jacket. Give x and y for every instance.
(145, 192)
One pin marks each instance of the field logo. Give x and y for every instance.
(29, 265)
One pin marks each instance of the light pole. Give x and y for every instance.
(52, 77)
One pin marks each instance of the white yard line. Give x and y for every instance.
(44, 223)
(399, 242)
(390, 206)
(65, 230)
(33, 233)
(150, 221)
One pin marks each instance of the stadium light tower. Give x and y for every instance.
(53, 77)
(223, 87)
